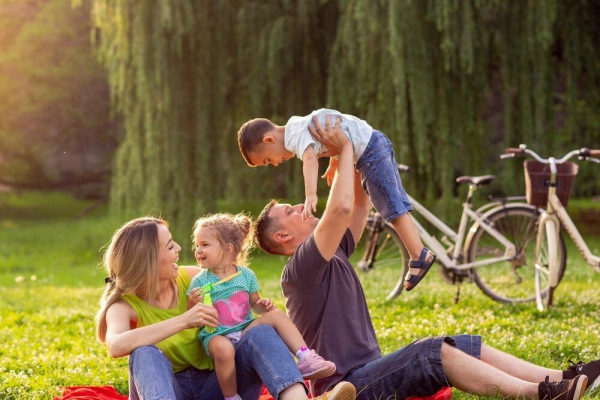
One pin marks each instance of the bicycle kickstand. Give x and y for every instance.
(458, 285)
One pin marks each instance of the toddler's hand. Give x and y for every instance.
(310, 205)
(265, 305)
(196, 296)
(330, 173)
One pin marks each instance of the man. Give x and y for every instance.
(325, 300)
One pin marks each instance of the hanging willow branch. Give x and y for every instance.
(451, 82)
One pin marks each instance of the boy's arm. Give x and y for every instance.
(330, 173)
(338, 212)
(310, 170)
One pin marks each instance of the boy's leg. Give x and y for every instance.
(284, 326)
(407, 231)
(223, 353)
(381, 180)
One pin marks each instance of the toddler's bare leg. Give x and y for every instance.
(284, 326)
(223, 353)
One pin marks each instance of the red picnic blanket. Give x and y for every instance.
(110, 393)
(444, 394)
(90, 393)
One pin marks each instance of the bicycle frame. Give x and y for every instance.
(555, 213)
(458, 238)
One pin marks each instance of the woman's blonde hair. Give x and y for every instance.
(231, 229)
(131, 261)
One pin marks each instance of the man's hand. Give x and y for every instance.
(262, 306)
(333, 138)
(330, 173)
(310, 206)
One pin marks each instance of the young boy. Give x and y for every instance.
(262, 143)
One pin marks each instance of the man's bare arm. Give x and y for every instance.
(362, 205)
(338, 212)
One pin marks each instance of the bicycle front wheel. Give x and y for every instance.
(510, 281)
(389, 265)
(546, 264)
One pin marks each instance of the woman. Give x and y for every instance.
(144, 314)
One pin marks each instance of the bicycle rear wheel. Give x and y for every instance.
(546, 260)
(510, 281)
(385, 275)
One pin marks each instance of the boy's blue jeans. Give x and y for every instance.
(260, 357)
(380, 178)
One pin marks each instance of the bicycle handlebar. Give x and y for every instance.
(583, 154)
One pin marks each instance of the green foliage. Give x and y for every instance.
(50, 284)
(54, 96)
(451, 83)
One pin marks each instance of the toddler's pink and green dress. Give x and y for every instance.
(231, 299)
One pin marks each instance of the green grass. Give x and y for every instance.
(50, 283)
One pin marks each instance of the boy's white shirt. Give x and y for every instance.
(298, 137)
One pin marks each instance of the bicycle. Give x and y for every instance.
(551, 189)
(494, 253)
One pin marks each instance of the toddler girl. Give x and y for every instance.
(222, 245)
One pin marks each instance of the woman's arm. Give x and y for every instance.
(121, 340)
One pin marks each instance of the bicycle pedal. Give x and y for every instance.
(363, 266)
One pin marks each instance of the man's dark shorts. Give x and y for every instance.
(415, 370)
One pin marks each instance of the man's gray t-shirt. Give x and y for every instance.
(326, 302)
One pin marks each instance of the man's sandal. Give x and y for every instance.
(413, 280)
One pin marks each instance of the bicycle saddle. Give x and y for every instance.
(476, 180)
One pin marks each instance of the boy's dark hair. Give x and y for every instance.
(264, 227)
(251, 134)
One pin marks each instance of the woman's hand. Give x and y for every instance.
(333, 138)
(201, 315)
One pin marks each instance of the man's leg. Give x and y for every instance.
(517, 367)
(414, 370)
(471, 375)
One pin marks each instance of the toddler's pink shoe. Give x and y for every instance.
(313, 366)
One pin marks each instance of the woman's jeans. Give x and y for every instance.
(260, 357)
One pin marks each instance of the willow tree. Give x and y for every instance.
(454, 82)
(185, 75)
(450, 81)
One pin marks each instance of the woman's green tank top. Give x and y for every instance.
(182, 349)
